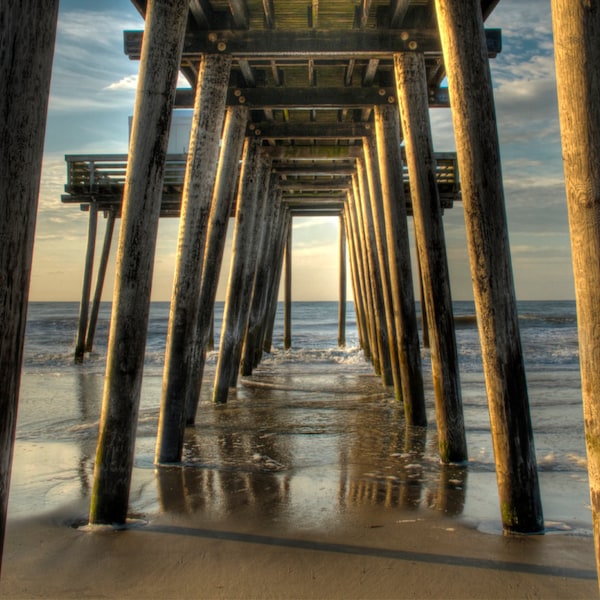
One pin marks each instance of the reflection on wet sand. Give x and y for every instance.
(281, 451)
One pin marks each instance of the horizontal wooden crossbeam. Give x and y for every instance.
(309, 43)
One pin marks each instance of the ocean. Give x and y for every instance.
(312, 434)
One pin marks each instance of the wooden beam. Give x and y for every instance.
(239, 14)
(398, 9)
(314, 152)
(269, 98)
(310, 43)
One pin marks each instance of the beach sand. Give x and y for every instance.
(302, 486)
(373, 554)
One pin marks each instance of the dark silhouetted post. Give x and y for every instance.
(159, 66)
(342, 292)
(287, 294)
(577, 51)
(26, 51)
(473, 113)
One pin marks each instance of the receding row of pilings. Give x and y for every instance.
(25, 66)
(376, 227)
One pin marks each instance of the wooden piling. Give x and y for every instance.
(285, 224)
(159, 67)
(201, 170)
(342, 284)
(374, 213)
(228, 170)
(388, 138)
(431, 246)
(248, 220)
(101, 276)
(261, 281)
(577, 52)
(382, 337)
(84, 306)
(471, 97)
(26, 51)
(287, 293)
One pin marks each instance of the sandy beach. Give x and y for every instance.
(307, 484)
(373, 553)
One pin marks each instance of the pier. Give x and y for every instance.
(306, 109)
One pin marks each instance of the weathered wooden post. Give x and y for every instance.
(285, 224)
(108, 236)
(201, 170)
(263, 267)
(159, 66)
(287, 292)
(375, 271)
(86, 287)
(471, 97)
(431, 246)
(373, 212)
(342, 284)
(577, 51)
(248, 225)
(388, 137)
(234, 131)
(26, 51)
(360, 295)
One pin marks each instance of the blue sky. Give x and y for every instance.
(92, 95)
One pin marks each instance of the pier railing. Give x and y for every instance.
(100, 179)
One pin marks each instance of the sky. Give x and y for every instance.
(92, 96)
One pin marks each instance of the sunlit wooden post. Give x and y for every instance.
(473, 113)
(382, 337)
(577, 51)
(84, 306)
(431, 246)
(342, 284)
(360, 294)
(287, 293)
(234, 131)
(26, 51)
(388, 137)
(159, 66)
(201, 170)
(101, 276)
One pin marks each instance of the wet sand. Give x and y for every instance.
(302, 486)
(372, 554)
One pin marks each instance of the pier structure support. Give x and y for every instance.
(358, 279)
(473, 113)
(363, 270)
(287, 291)
(249, 224)
(252, 349)
(388, 138)
(431, 247)
(159, 67)
(200, 175)
(100, 278)
(376, 275)
(577, 50)
(234, 131)
(284, 226)
(342, 284)
(26, 51)
(373, 212)
(84, 306)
